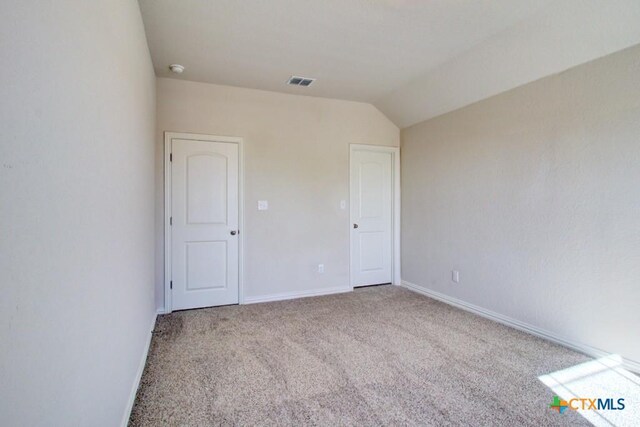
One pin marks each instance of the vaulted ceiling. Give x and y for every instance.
(413, 59)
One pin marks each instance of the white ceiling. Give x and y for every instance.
(413, 59)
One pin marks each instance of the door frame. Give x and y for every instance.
(168, 137)
(396, 277)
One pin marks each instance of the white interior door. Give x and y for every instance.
(204, 223)
(371, 217)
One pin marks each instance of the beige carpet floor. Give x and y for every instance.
(377, 356)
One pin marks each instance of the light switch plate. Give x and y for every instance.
(263, 205)
(455, 276)
(343, 204)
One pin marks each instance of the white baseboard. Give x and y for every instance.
(516, 324)
(136, 382)
(296, 294)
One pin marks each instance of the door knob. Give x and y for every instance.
(355, 225)
(233, 232)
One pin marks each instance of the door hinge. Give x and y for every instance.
(171, 284)
(170, 220)
(171, 157)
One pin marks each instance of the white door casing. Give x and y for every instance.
(203, 222)
(372, 179)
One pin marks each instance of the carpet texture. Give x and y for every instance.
(377, 356)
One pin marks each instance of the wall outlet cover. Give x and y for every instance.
(455, 276)
(263, 205)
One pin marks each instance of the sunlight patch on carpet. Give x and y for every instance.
(601, 390)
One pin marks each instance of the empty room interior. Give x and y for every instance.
(320, 213)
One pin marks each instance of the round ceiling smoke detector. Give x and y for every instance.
(176, 68)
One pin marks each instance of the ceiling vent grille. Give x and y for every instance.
(300, 81)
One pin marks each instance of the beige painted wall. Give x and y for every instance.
(77, 136)
(297, 158)
(534, 196)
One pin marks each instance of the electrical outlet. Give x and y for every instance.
(263, 205)
(320, 268)
(455, 276)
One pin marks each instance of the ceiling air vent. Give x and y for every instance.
(300, 81)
